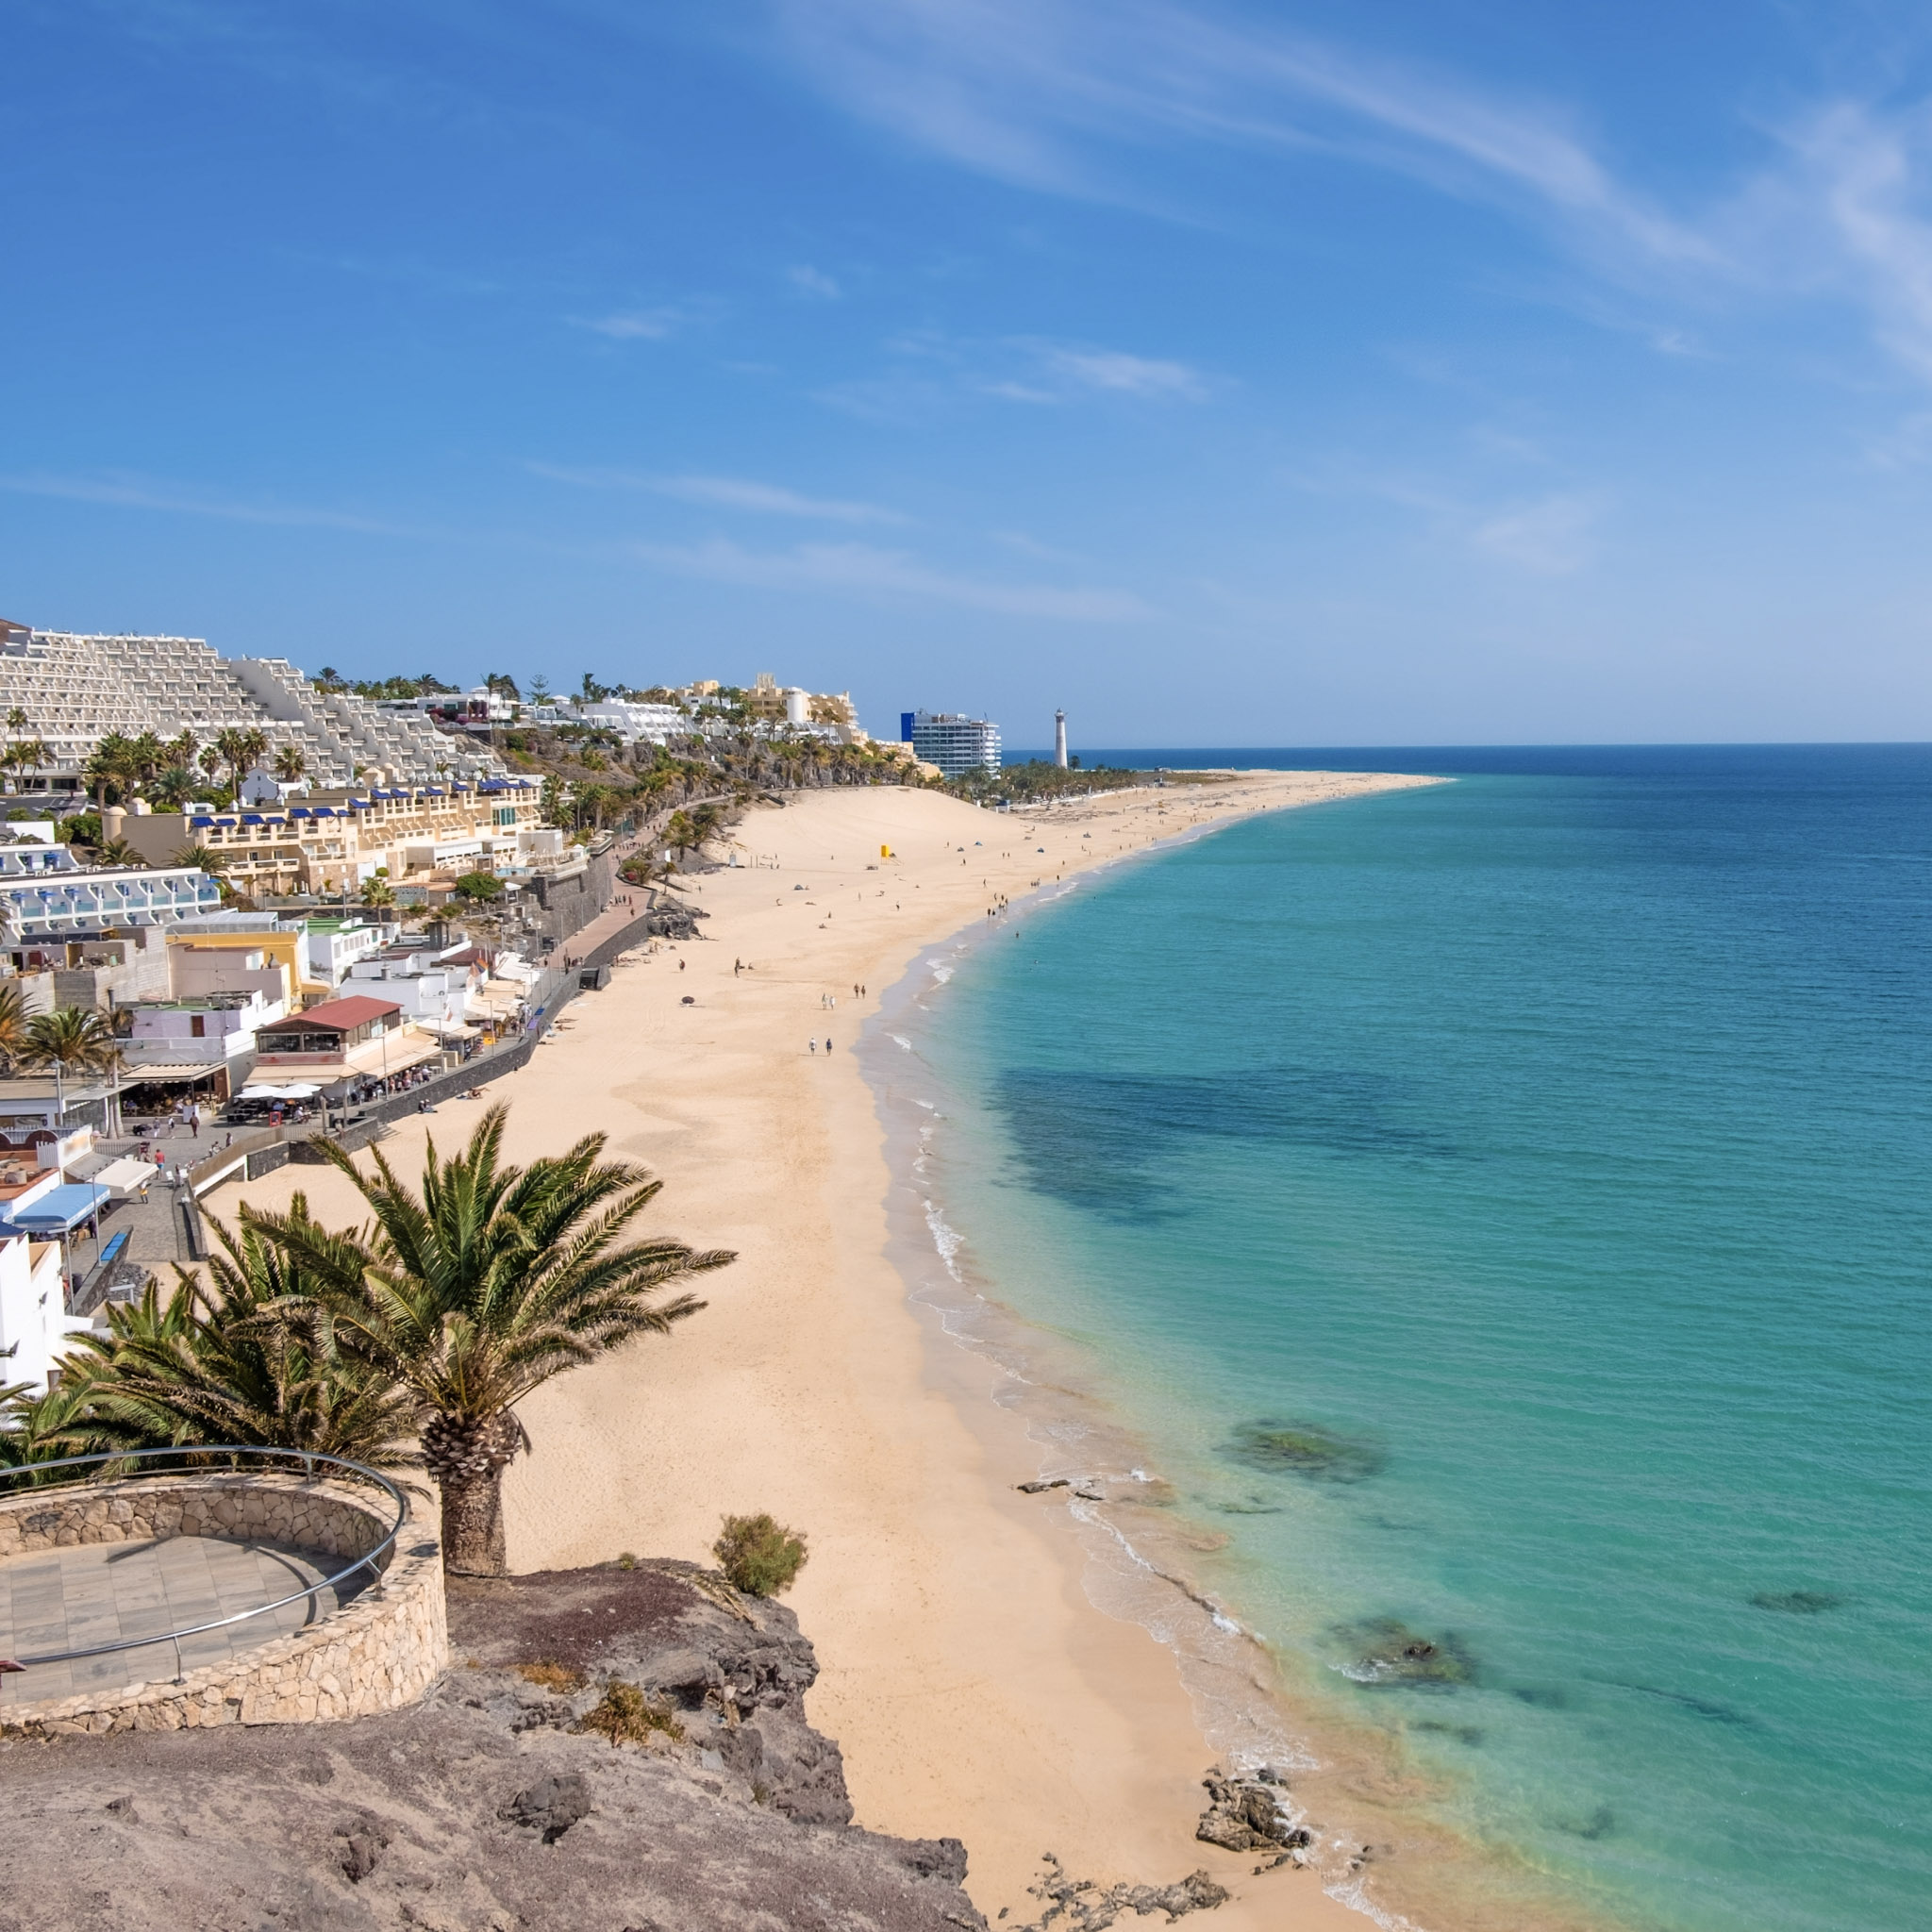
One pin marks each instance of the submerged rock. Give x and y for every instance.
(1798, 1602)
(1303, 1449)
(1390, 1653)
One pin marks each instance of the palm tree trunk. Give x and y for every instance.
(467, 1456)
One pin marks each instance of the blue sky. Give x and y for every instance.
(1313, 374)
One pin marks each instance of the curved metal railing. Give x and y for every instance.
(308, 1459)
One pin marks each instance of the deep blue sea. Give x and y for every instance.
(1504, 1210)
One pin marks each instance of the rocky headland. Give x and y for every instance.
(621, 1749)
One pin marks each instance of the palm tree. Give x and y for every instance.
(13, 1021)
(70, 1039)
(250, 1357)
(211, 759)
(146, 755)
(203, 857)
(117, 852)
(174, 787)
(290, 764)
(378, 893)
(229, 744)
(45, 1427)
(480, 1290)
(112, 762)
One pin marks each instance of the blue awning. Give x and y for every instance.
(60, 1210)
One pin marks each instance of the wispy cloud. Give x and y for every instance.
(1551, 537)
(1032, 546)
(1054, 93)
(727, 492)
(860, 570)
(124, 491)
(773, 499)
(1015, 369)
(633, 325)
(1871, 175)
(1551, 534)
(1075, 98)
(813, 283)
(1122, 374)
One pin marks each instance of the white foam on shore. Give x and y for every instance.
(946, 1240)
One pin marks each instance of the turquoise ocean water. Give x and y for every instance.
(1502, 1210)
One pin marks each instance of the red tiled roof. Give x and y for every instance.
(333, 1016)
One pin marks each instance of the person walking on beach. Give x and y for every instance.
(811, 1046)
(828, 1043)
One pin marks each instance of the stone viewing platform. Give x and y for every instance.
(137, 1569)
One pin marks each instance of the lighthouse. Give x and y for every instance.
(1059, 740)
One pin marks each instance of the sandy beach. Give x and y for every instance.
(974, 1689)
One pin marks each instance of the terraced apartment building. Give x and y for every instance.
(335, 841)
(76, 690)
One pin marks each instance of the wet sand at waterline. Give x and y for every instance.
(975, 1690)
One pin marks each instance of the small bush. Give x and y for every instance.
(760, 1556)
(551, 1676)
(626, 1561)
(626, 1716)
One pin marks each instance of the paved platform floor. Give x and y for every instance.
(73, 1599)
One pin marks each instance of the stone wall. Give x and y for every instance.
(383, 1651)
(569, 905)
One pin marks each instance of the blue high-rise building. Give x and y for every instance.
(955, 744)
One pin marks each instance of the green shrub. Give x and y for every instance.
(626, 1716)
(760, 1555)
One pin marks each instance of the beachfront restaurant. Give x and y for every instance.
(352, 1041)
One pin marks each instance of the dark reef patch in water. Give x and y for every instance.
(1799, 1603)
(1470, 1735)
(1389, 1655)
(1541, 1697)
(1697, 1707)
(1303, 1449)
(1599, 1825)
(1103, 1140)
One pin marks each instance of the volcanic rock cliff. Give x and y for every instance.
(614, 1750)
